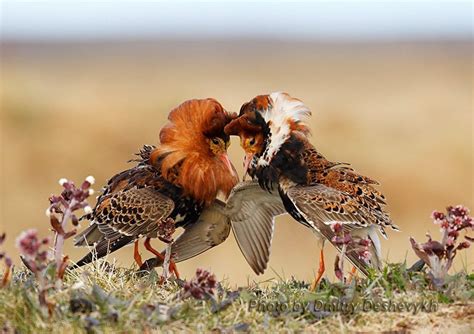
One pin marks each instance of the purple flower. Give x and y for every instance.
(458, 211)
(437, 215)
(166, 229)
(365, 255)
(439, 255)
(200, 286)
(336, 227)
(61, 211)
(29, 244)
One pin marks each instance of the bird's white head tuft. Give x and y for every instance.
(284, 115)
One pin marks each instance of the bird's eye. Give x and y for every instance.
(252, 142)
(215, 141)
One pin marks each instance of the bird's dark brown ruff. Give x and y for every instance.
(299, 164)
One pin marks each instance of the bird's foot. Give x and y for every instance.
(174, 268)
(159, 259)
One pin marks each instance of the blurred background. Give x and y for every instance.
(85, 84)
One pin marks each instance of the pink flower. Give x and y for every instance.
(437, 255)
(444, 224)
(365, 255)
(166, 228)
(450, 241)
(200, 286)
(437, 215)
(336, 227)
(365, 242)
(458, 221)
(458, 211)
(29, 244)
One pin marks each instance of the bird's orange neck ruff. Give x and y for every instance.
(201, 176)
(185, 157)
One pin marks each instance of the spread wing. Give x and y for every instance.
(249, 210)
(211, 229)
(122, 217)
(252, 212)
(321, 206)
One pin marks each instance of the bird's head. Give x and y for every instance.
(265, 123)
(193, 150)
(250, 128)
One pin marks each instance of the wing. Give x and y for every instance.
(252, 211)
(122, 217)
(321, 206)
(133, 213)
(249, 210)
(211, 229)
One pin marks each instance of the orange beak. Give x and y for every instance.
(247, 160)
(225, 159)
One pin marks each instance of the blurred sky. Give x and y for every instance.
(336, 20)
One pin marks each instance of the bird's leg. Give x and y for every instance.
(136, 255)
(352, 274)
(172, 267)
(321, 270)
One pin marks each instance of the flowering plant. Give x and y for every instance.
(348, 242)
(35, 257)
(166, 228)
(62, 209)
(437, 255)
(33, 249)
(200, 286)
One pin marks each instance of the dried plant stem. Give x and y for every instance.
(444, 239)
(59, 238)
(166, 262)
(341, 260)
(6, 277)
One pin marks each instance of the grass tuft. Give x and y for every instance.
(106, 298)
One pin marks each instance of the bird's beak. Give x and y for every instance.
(225, 159)
(248, 158)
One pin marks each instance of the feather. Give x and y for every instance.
(316, 192)
(184, 154)
(250, 212)
(170, 181)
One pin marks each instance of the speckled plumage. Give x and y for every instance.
(166, 182)
(314, 190)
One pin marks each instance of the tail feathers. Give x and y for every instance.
(88, 237)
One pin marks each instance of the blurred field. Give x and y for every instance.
(401, 113)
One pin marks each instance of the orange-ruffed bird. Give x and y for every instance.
(315, 191)
(177, 180)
